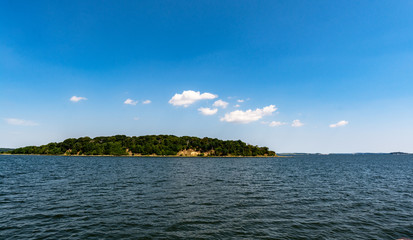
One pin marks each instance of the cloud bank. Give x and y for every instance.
(220, 103)
(339, 124)
(20, 122)
(297, 123)
(276, 124)
(77, 99)
(248, 116)
(189, 97)
(208, 111)
(130, 102)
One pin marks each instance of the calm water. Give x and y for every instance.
(306, 197)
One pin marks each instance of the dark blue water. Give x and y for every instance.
(305, 197)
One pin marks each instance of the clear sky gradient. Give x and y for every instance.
(296, 76)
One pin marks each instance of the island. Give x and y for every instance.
(150, 145)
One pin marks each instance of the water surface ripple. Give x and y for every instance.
(305, 197)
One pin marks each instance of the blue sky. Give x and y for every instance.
(296, 76)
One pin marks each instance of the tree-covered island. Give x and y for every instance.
(151, 145)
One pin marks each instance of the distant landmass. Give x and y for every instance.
(6, 149)
(398, 153)
(150, 145)
(363, 153)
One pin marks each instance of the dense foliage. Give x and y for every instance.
(4, 150)
(146, 145)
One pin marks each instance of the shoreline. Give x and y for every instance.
(147, 156)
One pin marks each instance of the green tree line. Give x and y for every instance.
(5, 150)
(146, 145)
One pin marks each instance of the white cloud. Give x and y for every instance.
(240, 100)
(130, 102)
(146, 101)
(297, 123)
(136, 118)
(77, 99)
(189, 97)
(276, 124)
(339, 124)
(208, 111)
(20, 122)
(248, 116)
(237, 106)
(220, 103)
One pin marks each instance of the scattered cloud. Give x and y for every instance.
(220, 103)
(77, 99)
(339, 124)
(20, 122)
(240, 100)
(146, 101)
(187, 98)
(208, 111)
(136, 118)
(130, 102)
(237, 106)
(297, 123)
(276, 124)
(248, 116)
